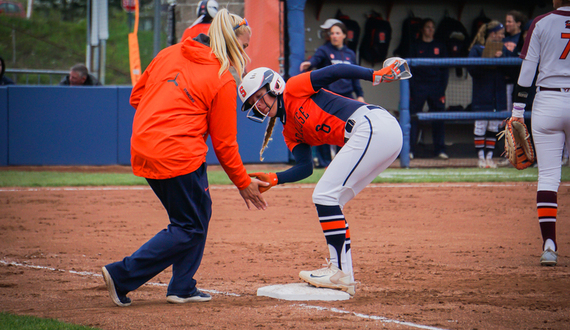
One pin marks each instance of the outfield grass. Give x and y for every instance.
(69, 179)
(12, 322)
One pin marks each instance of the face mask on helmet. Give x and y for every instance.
(254, 81)
(257, 115)
(208, 8)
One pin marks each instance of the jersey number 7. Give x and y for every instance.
(567, 48)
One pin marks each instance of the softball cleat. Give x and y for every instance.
(549, 257)
(329, 277)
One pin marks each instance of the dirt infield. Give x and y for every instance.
(428, 256)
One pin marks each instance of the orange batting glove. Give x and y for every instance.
(387, 74)
(271, 178)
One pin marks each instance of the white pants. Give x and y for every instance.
(374, 143)
(482, 126)
(550, 129)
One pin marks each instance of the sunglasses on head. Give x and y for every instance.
(243, 22)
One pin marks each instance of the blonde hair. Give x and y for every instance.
(481, 36)
(267, 136)
(224, 42)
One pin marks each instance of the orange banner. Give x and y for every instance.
(264, 48)
(134, 53)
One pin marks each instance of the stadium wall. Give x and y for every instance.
(49, 125)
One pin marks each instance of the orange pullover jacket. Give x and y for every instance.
(179, 100)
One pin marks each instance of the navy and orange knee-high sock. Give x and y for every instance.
(337, 235)
(480, 146)
(547, 208)
(490, 141)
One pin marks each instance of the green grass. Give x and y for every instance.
(13, 322)
(11, 178)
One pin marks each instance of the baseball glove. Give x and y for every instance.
(267, 177)
(518, 148)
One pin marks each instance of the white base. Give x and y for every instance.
(301, 292)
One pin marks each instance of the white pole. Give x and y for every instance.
(29, 10)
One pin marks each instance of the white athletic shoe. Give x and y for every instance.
(329, 277)
(549, 257)
(491, 164)
(482, 163)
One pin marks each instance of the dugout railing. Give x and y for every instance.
(404, 106)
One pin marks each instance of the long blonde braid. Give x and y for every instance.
(267, 136)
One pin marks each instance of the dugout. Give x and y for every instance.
(459, 132)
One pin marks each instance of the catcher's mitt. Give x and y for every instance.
(518, 148)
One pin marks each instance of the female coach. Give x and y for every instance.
(185, 94)
(547, 42)
(369, 135)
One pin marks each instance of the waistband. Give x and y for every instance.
(362, 111)
(551, 89)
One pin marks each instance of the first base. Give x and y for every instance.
(301, 292)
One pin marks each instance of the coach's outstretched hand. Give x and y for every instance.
(270, 178)
(252, 194)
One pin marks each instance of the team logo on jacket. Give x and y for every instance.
(436, 50)
(568, 24)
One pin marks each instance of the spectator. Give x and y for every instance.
(514, 23)
(428, 84)
(185, 95)
(79, 76)
(489, 89)
(206, 10)
(334, 51)
(3, 79)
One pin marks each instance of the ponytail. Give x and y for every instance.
(481, 36)
(224, 43)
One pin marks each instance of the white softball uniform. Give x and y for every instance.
(373, 144)
(547, 46)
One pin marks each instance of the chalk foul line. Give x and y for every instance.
(302, 306)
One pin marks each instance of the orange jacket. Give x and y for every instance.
(194, 31)
(179, 100)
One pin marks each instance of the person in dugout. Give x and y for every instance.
(428, 84)
(334, 51)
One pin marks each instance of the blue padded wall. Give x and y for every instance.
(52, 125)
(126, 115)
(3, 126)
(250, 138)
(62, 125)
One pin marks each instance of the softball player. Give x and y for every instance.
(547, 46)
(369, 135)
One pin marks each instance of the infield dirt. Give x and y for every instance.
(453, 256)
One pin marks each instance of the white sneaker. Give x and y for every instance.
(443, 155)
(411, 155)
(491, 164)
(482, 163)
(549, 257)
(329, 277)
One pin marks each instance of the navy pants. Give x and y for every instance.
(436, 103)
(187, 201)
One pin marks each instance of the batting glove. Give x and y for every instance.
(271, 178)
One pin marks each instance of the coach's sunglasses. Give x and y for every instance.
(243, 22)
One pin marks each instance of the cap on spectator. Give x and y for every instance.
(329, 23)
